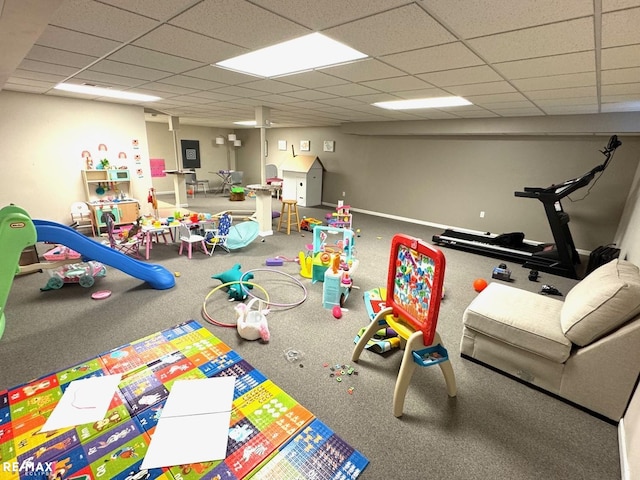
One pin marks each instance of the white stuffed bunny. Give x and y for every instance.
(252, 324)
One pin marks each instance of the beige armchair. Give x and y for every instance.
(585, 349)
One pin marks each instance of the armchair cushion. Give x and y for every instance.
(604, 300)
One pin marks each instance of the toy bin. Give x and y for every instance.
(430, 356)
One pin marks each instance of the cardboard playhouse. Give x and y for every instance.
(302, 180)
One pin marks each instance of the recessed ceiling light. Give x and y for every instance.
(436, 102)
(105, 92)
(293, 56)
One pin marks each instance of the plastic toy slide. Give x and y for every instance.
(16, 233)
(155, 275)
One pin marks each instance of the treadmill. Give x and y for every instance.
(559, 258)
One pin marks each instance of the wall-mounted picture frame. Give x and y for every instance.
(329, 145)
(282, 145)
(305, 145)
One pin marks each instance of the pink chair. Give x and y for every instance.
(189, 238)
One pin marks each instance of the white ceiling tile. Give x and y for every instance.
(221, 75)
(563, 93)
(183, 43)
(461, 76)
(30, 86)
(271, 86)
(106, 80)
(571, 109)
(564, 102)
(362, 70)
(496, 98)
(621, 57)
(397, 84)
(518, 112)
(59, 57)
(347, 90)
(556, 81)
(234, 19)
(45, 68)
(621, 28)
(610, 5)
(422, 93)
(621, 89)
(309, 95)
(156, 9)
(128, 70)
(481, 88)
(165, 89)
(477, 18)
(623, 98)
(433, 59)
(191, 83)
(151, 59)
(545, 66)
(624, 75)
(379, 34)
(328, 13)
(89, 17)
(554, 39)
(36, 78)
(64, 39)
(314, 79)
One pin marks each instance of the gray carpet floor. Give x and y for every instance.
(496, 428)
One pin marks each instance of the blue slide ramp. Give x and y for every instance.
(155, 275)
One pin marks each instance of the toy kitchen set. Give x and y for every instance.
(108, 190)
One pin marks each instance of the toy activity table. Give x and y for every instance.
(270, 435)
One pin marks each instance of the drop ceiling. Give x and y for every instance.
(509, 58)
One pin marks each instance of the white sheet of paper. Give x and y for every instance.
(194, 423)
(190, 439)
(195, 397)
(84, 401)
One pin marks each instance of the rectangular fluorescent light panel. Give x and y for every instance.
(293, 56)
(246, 123)
(105, 92)
(436, 102)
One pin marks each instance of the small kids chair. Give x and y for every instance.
(412, 304)
(188, 238)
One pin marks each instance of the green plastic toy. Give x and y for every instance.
(17, 232)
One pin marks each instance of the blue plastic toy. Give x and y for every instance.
(234, 274)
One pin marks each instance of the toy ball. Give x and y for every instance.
(479, 284)
(337, 311)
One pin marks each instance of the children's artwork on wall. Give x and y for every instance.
(282, 145)
(329, 145)
(305, 145)
(157, 167)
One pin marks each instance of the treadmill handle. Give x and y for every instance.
(529, 193)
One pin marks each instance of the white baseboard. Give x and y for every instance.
(625, 470)
(423, 222)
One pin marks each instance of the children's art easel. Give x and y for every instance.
(414, 290)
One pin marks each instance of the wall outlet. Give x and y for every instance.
(344, 194)
(481, 214)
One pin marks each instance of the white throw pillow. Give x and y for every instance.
(603, 301)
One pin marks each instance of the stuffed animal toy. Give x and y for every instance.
(236, 291)
(252, 324)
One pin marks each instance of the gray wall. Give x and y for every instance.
(449, 180)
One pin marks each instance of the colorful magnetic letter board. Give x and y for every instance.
(415, 276)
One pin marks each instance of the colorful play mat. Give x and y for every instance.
(270, 434)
